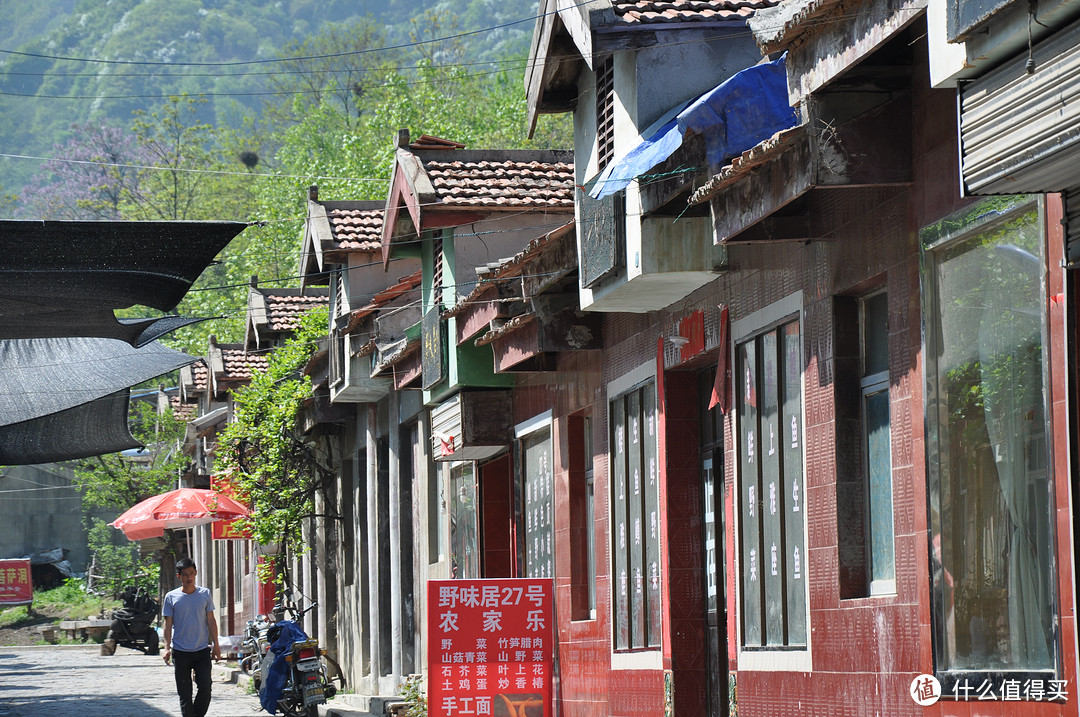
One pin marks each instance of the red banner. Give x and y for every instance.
(491, 646)
(226, 529)
(16, 584)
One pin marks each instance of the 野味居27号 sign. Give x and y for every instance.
(16, 585)
(490, 647)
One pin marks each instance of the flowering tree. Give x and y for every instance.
(89, 178)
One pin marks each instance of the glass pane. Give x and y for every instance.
(620, 585)
(464, 533)
(539, 528)
(991, 508)
(652, 518)
(876, 334)
(708, 482)
(634, 522)
(794, 493)
(772, 565)
(879, 466)
(749, 495)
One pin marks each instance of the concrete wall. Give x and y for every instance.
(39, 510)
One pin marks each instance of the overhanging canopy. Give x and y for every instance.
(39, 377)
(104, 264)
(748, 107)
(90, 429)
(66, 278)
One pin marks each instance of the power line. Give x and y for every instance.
(328, 56)
(380, 69)
(238, 173)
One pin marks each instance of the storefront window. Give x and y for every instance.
(772, 545)
(464, 527)
(990, 489)
(635, 520)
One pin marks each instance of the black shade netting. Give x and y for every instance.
(90, 429)
(104, 264)
(94, 323)
(39, 377)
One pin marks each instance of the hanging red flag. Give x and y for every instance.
(720, 383)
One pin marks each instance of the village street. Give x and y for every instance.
(60, 681)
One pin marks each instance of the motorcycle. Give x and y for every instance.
(292, 667)
(255, 643)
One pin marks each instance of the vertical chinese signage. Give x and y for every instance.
(539, 505)
(16, 587)
(490, 647)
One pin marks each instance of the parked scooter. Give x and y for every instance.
(292, 675)
(255, 643)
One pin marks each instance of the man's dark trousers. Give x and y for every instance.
(199, 663)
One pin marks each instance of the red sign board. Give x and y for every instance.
(16, 586)
(490, 647)
(226, 529)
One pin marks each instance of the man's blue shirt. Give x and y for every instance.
(188, 610)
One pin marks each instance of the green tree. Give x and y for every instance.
(273, 463)
(117, 566)
(120, 481)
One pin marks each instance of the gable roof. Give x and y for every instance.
(451, 187)
(273, 312)
(569, 37)
(335, 229)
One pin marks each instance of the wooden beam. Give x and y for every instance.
(762, 192)
(554, 263)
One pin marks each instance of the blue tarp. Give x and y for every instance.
(742, 111)
(278, 673)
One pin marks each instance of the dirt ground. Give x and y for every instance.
(29, 632)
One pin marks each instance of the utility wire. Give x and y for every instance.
(237, 63)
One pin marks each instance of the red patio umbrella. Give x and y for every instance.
(182, 508)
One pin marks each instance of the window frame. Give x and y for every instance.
(646, 656)
(786, 657)
(872, 385)
(952, 232)
(524, 432)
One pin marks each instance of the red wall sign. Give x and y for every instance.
(16, 586)
(226, 529)
(490, 647)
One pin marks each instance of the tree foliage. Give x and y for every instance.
(120, 481)
(262, 449)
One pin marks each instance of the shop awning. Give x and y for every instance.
(748, 107)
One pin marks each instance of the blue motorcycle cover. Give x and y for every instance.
(279, 668)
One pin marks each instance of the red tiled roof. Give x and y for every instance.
(201, 374)
(356, 229)
(240, 365)
(283, 311)
(507, 184)
(676, 11)
(182, 411)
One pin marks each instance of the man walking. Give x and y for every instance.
(190, 631)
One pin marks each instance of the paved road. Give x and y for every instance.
(79, 682)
